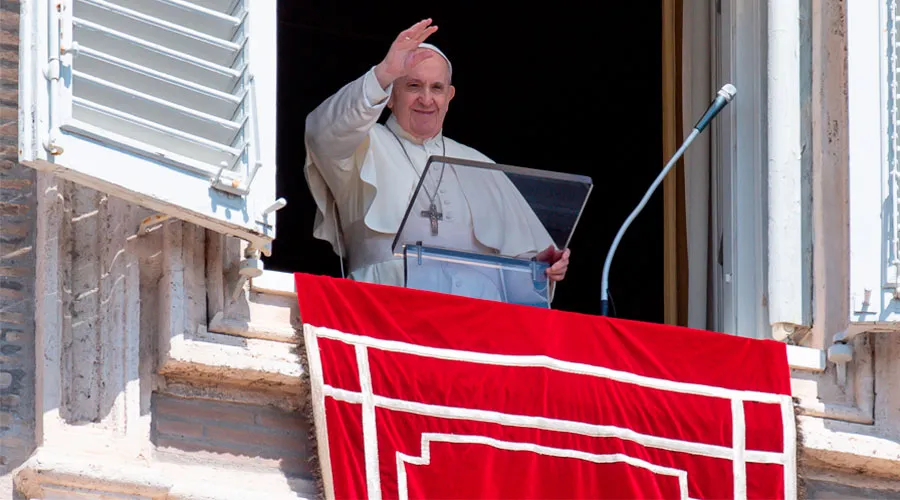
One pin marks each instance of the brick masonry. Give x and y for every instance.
(17, 261)
(233, 433)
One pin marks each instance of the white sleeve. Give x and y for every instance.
(375, 95)
(338, 126)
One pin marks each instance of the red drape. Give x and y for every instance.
(422, 395)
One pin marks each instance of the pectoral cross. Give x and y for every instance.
(433, 214)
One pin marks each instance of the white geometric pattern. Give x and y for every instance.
(369, 401)
(431, 437)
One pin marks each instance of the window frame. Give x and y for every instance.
(874, 288)
(738, 157)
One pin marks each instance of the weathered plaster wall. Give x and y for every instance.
(856, 427)
(852, 431)
(134, 395)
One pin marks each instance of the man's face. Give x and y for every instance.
(419, 101)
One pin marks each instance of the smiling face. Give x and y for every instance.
(419, 101)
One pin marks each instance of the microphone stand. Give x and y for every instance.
(725, 95)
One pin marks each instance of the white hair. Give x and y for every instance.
(425, 45)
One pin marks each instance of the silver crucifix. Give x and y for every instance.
(433, 214)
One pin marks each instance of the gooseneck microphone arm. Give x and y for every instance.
(723, 97)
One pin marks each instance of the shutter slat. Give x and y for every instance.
(156, 31)
(133, 146)
(161, 138)
(158, 84)
(168, 75)
(231, 7)
(155, 56)
(153, 108)
(216, 22)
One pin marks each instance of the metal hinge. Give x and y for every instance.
(241, 187)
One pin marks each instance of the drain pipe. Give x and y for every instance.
(785, 293)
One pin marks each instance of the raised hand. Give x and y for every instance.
(402, 55)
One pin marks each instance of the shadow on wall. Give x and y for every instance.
(239, 434)
(17, 288)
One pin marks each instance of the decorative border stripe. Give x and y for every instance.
(738, 453)
(789, 433)
(550, 424)
(370, 431)
(316, 379)
(429, 437)
(540, 361)
(739, 445)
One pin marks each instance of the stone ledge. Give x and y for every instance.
(110, 474)
(849, 446)
(284, 333)
(806, 359)
(817, 409)
(263, 364)
(273, 312)
(274, 282)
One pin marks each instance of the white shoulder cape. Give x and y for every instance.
(502, 218)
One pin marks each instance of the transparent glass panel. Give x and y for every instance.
(478, 229)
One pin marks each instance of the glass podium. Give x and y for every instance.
(519, 215)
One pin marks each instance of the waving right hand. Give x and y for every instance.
(402, 56)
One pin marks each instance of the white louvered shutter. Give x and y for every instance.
(874, 170)
(166, 103)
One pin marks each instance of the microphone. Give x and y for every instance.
(723, 97)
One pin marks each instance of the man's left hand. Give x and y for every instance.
(559, 260)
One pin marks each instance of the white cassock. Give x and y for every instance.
(357, 166)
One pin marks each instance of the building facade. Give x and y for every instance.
(144, 355)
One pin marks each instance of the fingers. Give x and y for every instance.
(559, 267)
(420, 56)
(415, 31)
(552, 255)
(557, 271)
(558, 276)
(559, 260)
(427, 33)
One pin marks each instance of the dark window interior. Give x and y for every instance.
(560, 87)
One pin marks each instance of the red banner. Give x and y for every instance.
(423, 395)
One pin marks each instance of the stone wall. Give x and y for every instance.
(17, 265)
(235, 434)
